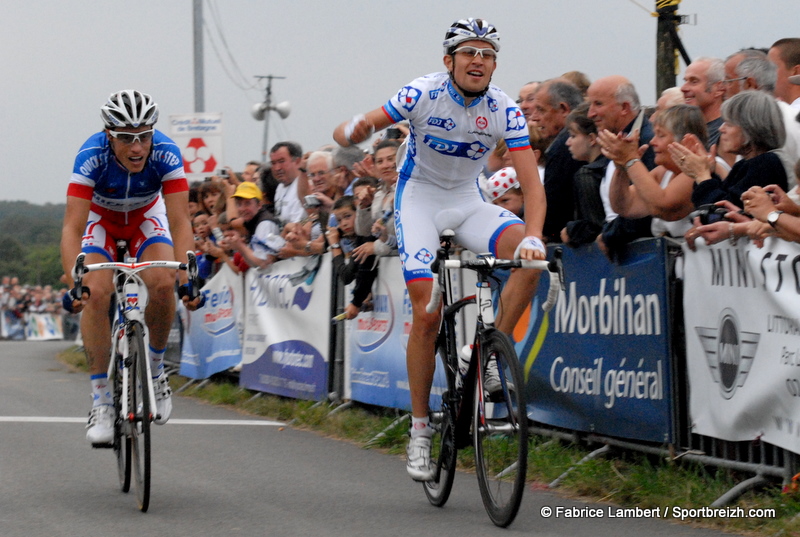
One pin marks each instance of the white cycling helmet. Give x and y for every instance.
(470, 30)
(129, 108)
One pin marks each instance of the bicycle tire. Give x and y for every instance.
(443, 442)
(500, 432)
(122, 442)
(140, 414)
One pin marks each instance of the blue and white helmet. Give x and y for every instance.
(129, 108)
(470, 30)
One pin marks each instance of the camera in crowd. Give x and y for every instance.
(312, 201)
(709, 214)
(223, 173)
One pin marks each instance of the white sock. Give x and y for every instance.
(101, 391)
(421, 427)
(157, 362)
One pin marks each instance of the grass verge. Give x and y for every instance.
(621, 478)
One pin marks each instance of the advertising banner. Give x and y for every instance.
(199, 137)
(287, 328)
(43, 327)
(212, 341)
(600, 360)
(743, 341)
(377, 341)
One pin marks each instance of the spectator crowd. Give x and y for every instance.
(727, 138)
(717, 157)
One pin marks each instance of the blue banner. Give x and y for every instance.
(377, 342)
(212, 343)
(600, 360)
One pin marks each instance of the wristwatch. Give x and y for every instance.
(631, 162)
(772, 218)
(335, 246)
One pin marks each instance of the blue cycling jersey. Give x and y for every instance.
(97, 176)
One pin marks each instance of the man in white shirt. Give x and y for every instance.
(285, 159)
(785, 54)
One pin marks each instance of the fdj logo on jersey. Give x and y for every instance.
(408, 97)
(514, 119)
(447, 124)
(471, 150)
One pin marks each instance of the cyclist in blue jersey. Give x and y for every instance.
(456, 118)
(127, 183)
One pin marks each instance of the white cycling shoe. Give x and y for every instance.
(418, 454)
(100, 429)
(163, 399)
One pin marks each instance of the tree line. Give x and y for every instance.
(29, 242)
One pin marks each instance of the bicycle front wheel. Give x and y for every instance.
(500, 429)
(443, 443)
(140, 414)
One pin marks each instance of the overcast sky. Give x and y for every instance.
(60, 60)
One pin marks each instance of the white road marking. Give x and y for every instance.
(175, 421)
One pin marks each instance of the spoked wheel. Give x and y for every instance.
(122, 442)
(443, 447)
(139, 416)
(500, 430)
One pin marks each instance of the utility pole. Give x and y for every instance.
(199, 94)
(668, 43)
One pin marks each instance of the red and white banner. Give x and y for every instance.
(199, 137)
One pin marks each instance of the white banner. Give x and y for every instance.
(199, 137)
(287, 328)
(743, 341)
(43, 326)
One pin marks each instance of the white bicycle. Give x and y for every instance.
(129, 367)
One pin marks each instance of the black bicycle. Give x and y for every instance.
(485, 406)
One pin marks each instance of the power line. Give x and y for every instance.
(241, 82)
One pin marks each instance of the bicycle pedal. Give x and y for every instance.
(107, 445)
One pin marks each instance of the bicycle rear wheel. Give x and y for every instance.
(500, 431)
(443, 443)
(140, 414)
(122, 442)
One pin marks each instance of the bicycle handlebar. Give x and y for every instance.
(553, 267)
(132, 268)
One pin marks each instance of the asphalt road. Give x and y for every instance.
(218, 472)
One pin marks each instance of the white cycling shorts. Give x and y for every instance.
(424, 210)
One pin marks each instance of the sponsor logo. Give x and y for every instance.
(481, 122)
(471, 150)
(492, 103)
(424, 256)
(515, 121)
(729, 352)
(446, 124)
(218, 317)
(409, 97)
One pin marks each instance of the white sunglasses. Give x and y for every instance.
(129, 138)
(486, 53)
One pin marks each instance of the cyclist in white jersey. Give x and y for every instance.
(127, 183)
(456, 118)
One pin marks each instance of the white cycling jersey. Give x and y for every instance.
(449, 140)
(437, 186)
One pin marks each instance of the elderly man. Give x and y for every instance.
(552, 103)
(703, 86)
(614, 106)
(525, 101)
(785, 54)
